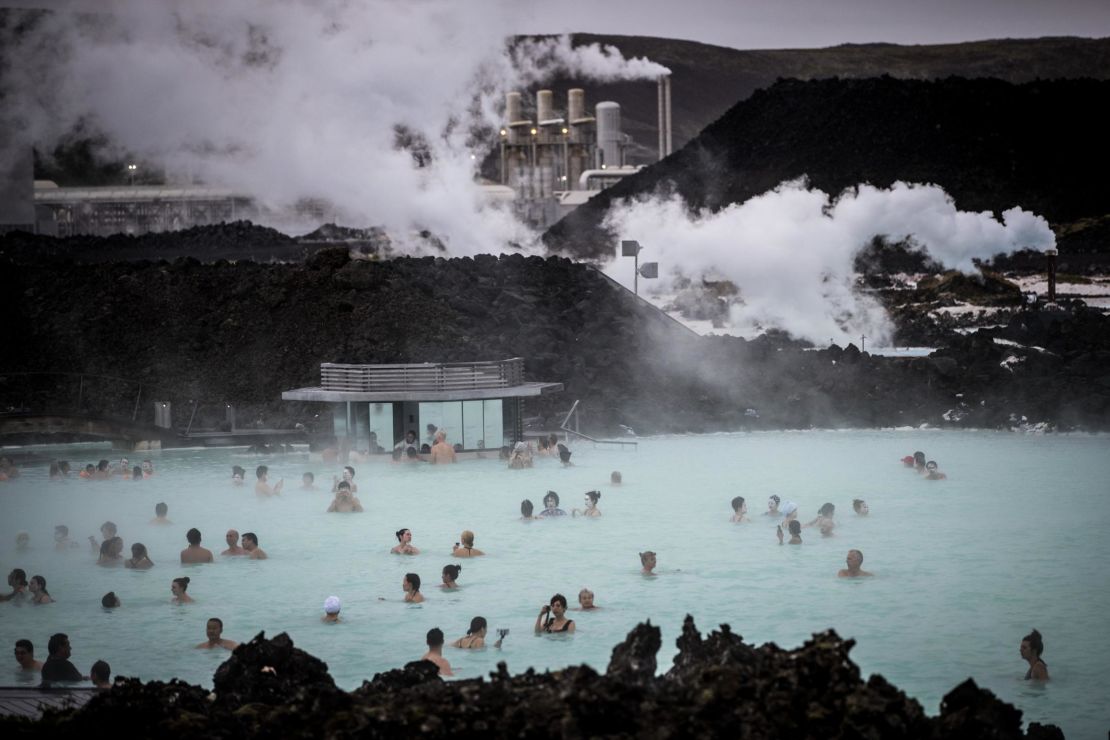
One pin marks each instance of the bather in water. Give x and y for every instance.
(139, 559)
(178, 588)
(410, 584)
(450, 576)
(39, 594)
(1032, 645)
(647, 563)
(214, 630)
(475, 636)
(739, 510)
(552, 618)
(465, 547)
(592, 497)
(404, 543)
(773, 506)
(853, 561)
(551, 505)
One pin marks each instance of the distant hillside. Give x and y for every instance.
(707, 80)
(990, 144)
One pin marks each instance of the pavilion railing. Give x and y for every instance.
(445, 376)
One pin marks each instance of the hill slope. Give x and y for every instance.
(990, 144)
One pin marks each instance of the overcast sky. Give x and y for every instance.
(776, 24)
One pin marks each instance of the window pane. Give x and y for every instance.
(492, 431)
(431, 412)
(381, 423)
(473, 431)
(452, 421)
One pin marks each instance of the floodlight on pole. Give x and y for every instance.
(632, 248)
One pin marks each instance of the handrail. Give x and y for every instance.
(568, 430)
(422, 376)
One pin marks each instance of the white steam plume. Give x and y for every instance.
(791, 250)
(298, 99)
(537, 59)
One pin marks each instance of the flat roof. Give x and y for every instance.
(523, 390)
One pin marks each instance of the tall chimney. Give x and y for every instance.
(667, 108)
(662, 120)
(1051, 254)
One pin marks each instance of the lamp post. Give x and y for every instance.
(631, 248)
(131, 173)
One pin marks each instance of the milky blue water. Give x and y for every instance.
(1014, 539)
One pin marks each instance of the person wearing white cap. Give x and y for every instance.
(789, 511)
(331, 609)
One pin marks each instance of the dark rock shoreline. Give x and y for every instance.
(241, 333)
(718, 687)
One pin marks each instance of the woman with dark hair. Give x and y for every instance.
(450, 575)
(553, 616)
(110, 552)
(178, 589)
(1031, 648)
(526, 510)
(773, 506)
(475, 636)
(592, 497)
(564, 455)
(860, 507)
(795, 529)
(39, 594)
(139, 558)
(404, 543)
(551, 505)
(739, 509)
(411, 586)
(238, 475)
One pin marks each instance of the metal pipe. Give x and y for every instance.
(139, 395)
(667, 109)
(189, 426)
(661, 119)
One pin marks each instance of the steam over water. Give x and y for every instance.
(964, 568)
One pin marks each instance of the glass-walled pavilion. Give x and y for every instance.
(479, 405)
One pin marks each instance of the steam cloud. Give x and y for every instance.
(791, 250)
(295, 100)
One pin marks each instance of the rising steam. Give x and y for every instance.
(380, 108)
(791, 250)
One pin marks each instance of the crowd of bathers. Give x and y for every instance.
(552, 617)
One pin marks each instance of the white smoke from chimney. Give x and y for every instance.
(538, 59)
(294, 100)
(791, 250)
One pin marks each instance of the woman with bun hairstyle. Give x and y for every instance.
(450, 575)
(178, 589)
(1032, 645)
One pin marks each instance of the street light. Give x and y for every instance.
(131, 173)
(631, 248)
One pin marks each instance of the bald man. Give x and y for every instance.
(854, 561)
(233, 549)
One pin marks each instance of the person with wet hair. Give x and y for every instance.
(450, 575)
(262, 486)
(348, 478)
(932, 473)
(107, 531)
(465, 547)
(739, 510)
(17, 579)
(435, 651)
(526, 510)
(214, 631)
(860, 507)
(551, 505)
(136, 474)
(111, 553)
(1032, 645)
(410, 584)
(178, 587)
(160, 511)
(443, 453)
(25, 657)
(238, 475)
(194, 553)
(88, 472)
(773, 506)
(308, 482)
(591, 510)
(101, 673)
(564, 455)
(824, 520)
(103, 470)
(586, 600)
(139, 560)
(408, 443)
(250, 544)
(344, 502)
(109, 600)
(62, 542)
(615, 478)
(552, 618)
(57, 667)
(39, 594)
(148, 468)
(795, 528)
(854, 561)
(919, 461)
(647, 563)
(475, 636)
(404, 543)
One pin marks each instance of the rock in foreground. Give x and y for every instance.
(719, 686)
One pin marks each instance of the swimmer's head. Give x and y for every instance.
(788, 508)
(110, 600)
(795, 527)
(827, 510)
(261, 471)
(773, 503)
(108, 529)
(467, 538)
(854, 559)
(250, 540)
(526, 508)
(477, 625)
(559, 600)
(564, 453)
(593, 497)
(332, 605)
(738, 504)
(411, 453)
(343, 487)
(1032, 644)
(931, 465)
(18, 577)
(137, 473)
(410, 436)
(179, 585)
(193, 536)
(441, 436)
(615, 477)
(402, 534)
(138, 551)
(160, 509)
(213, 628)
(919, 457)
(859, 506)
(411, 582)
(647, 559)
(435, 637)
(586, 598)
(451, 572)
(348, 472)
(551, 500)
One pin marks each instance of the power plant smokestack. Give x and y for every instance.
(545, 106)
(512, 107)
(576, 104)
(609, 134)
(664, 95)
